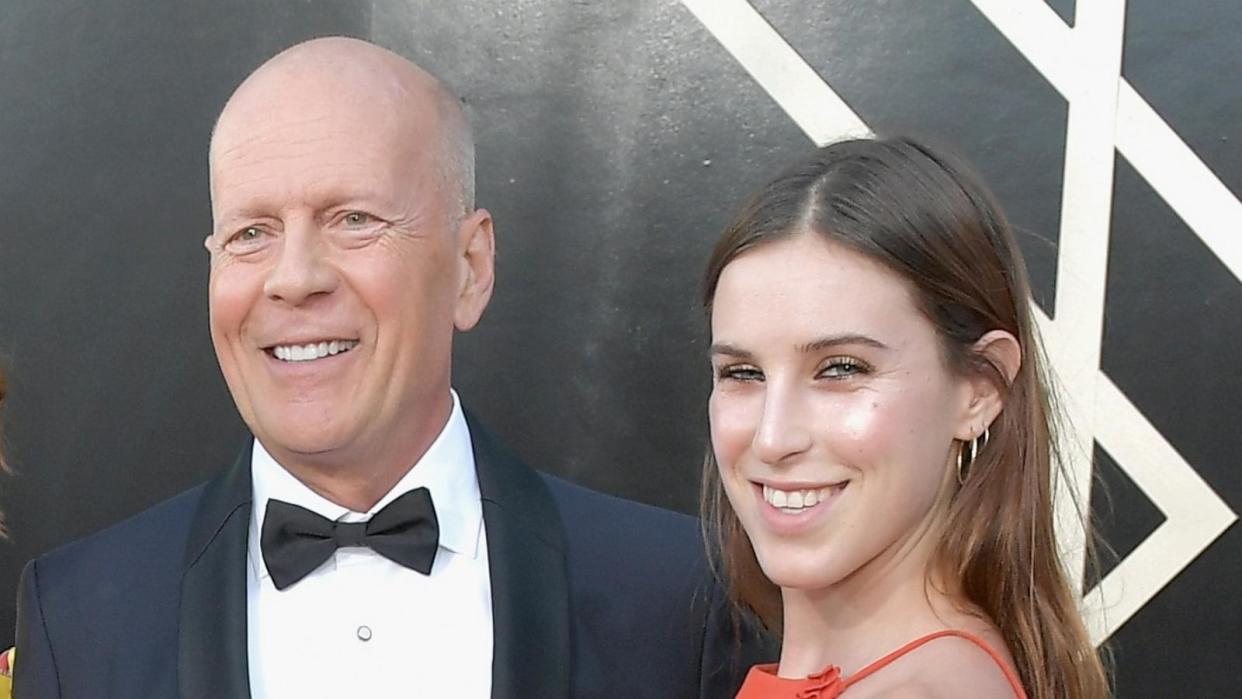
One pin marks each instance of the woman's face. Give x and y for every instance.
(832, 412)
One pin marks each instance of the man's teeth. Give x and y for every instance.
(305, 353)
(797, 500)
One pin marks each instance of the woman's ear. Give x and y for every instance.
(986, 398)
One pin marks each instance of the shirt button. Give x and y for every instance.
(364, 633)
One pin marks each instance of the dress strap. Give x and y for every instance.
(871, 669)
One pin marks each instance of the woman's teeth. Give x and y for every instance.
(305, 353)
(794, 501)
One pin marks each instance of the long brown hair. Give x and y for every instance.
(924, 215)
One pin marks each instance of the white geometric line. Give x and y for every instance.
(1040, 35)
(778, 69)
(1082, 258)
(1155, 150)
(1195, 515)
(1170, 166)
(1162, 158)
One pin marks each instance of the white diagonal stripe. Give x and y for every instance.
(1082, 258)
(1211, 211)
(793, 84)
(1198, 197)
(1195, 515)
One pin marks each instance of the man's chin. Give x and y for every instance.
(316, 446)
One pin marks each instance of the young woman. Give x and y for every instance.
(880, 477)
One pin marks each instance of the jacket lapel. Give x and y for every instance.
(530, 589)
(212, 653)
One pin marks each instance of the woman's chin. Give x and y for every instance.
(799, 573)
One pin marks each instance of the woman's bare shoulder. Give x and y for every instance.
(949, 667)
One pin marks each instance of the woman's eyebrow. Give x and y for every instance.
(817, 345)
(830, 341)
(728, 350)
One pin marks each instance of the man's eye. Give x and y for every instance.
(356, 218)
(246, 239)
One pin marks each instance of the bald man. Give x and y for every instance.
(373, 540)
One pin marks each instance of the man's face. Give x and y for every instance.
(336, 273)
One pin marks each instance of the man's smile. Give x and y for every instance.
(309, 351)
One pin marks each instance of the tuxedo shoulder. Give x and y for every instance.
(645, 605)
(639, 538)
(90, 610)
(581, 506)
(140, 545)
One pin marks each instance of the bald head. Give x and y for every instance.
(337, 76)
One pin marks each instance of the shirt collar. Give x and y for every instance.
(446, 469)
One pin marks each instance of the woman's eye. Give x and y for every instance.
(843, 368)
(739, 373)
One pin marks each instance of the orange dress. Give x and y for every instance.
(762, 682)
(6, 674)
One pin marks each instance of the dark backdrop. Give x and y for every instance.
(614, 141)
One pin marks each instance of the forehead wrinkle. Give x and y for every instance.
(392, 129)
(297, 124)
(239, 164)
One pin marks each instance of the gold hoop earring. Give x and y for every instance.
(961, 462)
(964, 462)
(961, 477)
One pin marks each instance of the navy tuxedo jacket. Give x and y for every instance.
(592, 596)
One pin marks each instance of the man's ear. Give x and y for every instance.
(986, 398)
(476, 249)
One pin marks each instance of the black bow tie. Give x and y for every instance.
(296, 541)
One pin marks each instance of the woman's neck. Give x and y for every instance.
(878, 608)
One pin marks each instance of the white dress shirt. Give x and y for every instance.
(361, 625)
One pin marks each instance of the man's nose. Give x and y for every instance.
(302, 268)
(783, 431)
